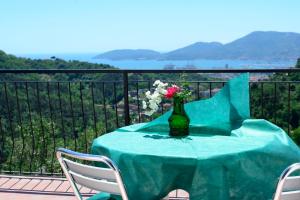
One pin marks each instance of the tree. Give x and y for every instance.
(294, 119)
(298, 63)
(296, 135)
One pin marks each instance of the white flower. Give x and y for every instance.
(152, 101)
(157, 82)
(149, 112)
(148, 94)
(153, 105)
(155, 95)
(163, 84)
(161, 87)
(161, 90)
(158, 100)
(144, 105)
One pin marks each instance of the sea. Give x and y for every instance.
(169, 64)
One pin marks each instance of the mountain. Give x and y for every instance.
(194, 51)
(262, 46)
(259, 45)
(130, 54)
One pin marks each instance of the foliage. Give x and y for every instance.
(296, 135)
(40, 112)
(298, 63)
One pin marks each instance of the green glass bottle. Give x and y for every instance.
(178, 121)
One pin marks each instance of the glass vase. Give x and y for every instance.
(178, 121)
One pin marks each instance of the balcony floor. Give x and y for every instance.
(44, 188)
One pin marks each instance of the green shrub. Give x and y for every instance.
(296, 135)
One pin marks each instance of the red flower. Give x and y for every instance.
(171, 91)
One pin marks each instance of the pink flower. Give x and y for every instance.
(171, 91)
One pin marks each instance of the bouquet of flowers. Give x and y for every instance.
(163, 90)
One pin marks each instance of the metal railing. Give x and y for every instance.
(41, 109)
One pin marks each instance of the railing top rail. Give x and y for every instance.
(51, 71)
(139, 81)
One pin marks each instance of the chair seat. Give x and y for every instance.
(104, 196)
(106, 179)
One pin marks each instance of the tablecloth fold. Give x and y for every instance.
(217, 115)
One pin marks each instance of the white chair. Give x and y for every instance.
(105, 180)
(288, 187)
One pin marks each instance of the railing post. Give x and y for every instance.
(126, 100)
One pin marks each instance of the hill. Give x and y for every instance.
(131, 54)
(8, 61)
(259, 45)
(263, 46)
(194, 51)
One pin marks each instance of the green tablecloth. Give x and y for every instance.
(227, 155)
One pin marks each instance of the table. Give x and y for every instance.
(244, 165)
(226, 156)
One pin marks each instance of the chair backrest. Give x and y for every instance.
(288, 187)
(103, 179)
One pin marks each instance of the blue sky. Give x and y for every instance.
(86, 26)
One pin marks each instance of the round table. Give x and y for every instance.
(244, 165)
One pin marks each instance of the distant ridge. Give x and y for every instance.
(194, 51)
(259, 45)
(132, 54)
